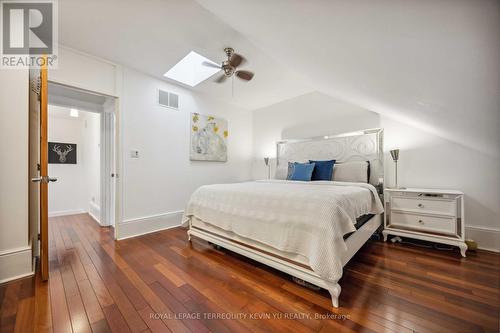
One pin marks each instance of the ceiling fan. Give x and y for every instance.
(230, 67)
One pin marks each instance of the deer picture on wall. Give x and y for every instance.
(62, 153)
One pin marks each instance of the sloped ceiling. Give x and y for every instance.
(432, 64)
(152, 36)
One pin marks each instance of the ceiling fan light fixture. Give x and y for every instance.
(230, 67)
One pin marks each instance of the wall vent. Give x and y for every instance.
(168, 99)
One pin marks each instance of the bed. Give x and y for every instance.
(309, 230)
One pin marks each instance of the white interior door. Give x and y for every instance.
(108, 167)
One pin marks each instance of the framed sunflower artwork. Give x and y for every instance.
(208, 138)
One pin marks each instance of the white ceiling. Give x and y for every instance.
(154, 35)
(432, 64)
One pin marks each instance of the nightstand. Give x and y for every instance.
(426, 214)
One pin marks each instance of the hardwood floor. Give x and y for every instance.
(159, 283)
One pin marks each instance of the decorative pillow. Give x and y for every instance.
(284, 171)
(356, 172)
(322, 170)
(302, 172)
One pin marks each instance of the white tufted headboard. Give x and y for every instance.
(365, 145)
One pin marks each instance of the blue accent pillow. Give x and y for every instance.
(302, 171)
(323, 170)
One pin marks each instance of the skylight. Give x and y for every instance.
(191, 71)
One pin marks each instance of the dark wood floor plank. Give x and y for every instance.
(92, 306)
(122, 302)
(79, 320)
(43, 309)
(24, 321)
(115, 319)
(60, 315)
(160, 283)
(9, 306)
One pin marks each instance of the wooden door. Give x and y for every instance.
(38, 159)
(44, 173)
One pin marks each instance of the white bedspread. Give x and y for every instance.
(306, 218)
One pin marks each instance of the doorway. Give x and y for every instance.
(74, 137)
(81, 135)
(102, 205)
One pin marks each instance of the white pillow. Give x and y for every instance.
(356, 172)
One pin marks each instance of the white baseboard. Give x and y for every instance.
(15, 264)
(95, 211)
(66, 212)
(487, 238)
(145, 225)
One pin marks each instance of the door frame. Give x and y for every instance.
(44, 170)
(110, 155)
(108, 165)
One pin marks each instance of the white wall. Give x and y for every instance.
(15, 250)
(77, 183)
(426, 160)
(157, 185)
(84, 71)
(67, 195)
(312, 114)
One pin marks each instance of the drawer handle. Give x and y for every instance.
(421, 221)
(420, 205)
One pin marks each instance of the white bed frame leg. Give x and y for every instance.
(335, 293)
(463, 249)
(189, 235)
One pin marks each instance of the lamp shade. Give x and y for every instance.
(395, 154)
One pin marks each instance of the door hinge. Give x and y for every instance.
(38, 166)
(35, 85)
(38, 237)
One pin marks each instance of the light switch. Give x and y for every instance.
(134, 154)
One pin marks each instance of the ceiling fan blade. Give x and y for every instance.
(220, 79)
(209, 64)
(244, 75)
(237, 60)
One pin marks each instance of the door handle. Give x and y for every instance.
(44, 179)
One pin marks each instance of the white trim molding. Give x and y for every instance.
(66, 212)
(15, 264)
(94, 211)
(487, 238)
(148, 224)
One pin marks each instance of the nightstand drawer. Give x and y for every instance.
(433, 224)
(424, 205)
